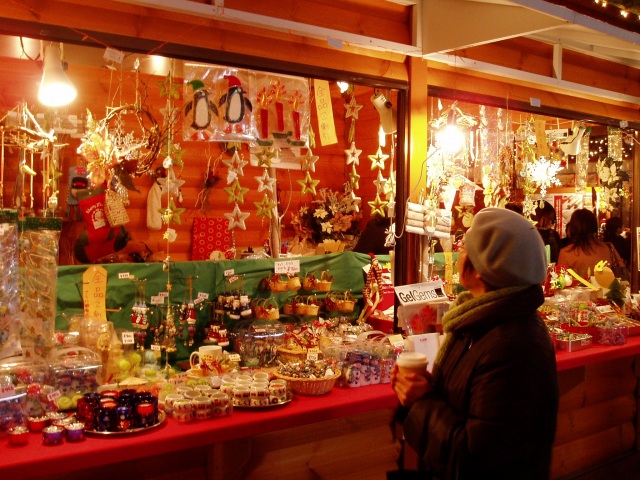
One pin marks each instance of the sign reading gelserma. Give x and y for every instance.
(427, 292)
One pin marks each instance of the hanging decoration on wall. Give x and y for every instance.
(351, 111)
(265, 182)
(237, 218)
(235, 192)
(265, 207)
(611, 177)
(582, 163)
(308, 161)
(378, 159)
(308, 184)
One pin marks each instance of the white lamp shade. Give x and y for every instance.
(56, 89)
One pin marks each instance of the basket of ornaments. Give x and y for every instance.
(310, 377)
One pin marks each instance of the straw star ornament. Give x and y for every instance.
(308, 184)
(377, 160)
(237, 218)
(265, 182)
(353, 154)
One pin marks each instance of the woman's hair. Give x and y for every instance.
(611, 227)
(546, 215)
(584, 229)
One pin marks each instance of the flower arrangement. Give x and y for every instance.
(331, 216)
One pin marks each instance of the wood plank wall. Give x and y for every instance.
(101, 87)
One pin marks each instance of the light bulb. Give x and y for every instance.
(56, 89)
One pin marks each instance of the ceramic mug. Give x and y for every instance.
(206, 355)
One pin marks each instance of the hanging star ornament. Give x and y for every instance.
(235, 164)
(265, 182)
(265, 207)
(170, 183)
(168, 88)
(236, 218)
(390, 186)
(354, 178)
(353, 154)
(236, 192)
(265, 156)
(171, 213)
(352, 108)
(380, 183)
(377, 206)
(308, 161)
(377, 160)
(308, 184)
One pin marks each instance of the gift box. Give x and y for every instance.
(209, 235)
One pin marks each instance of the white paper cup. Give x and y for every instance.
(412, 362)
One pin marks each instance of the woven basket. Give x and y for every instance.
(309, 386)
(114, 207)
(323, 284)
(291, 356)
(279, 284)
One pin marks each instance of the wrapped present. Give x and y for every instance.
(209, 235)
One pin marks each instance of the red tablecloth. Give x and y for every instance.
(35, 459)
(597, 354)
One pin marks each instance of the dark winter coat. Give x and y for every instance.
(492, 414)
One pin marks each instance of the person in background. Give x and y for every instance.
(545, 218)
(488, 410)
(585, 249)
(612, 234)
(373, 237)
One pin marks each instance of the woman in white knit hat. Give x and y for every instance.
(489, 409)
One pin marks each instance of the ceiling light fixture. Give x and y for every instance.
(56, 89)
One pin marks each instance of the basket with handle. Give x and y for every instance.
(300, 307)
(310, 386)
(313, 308)
(278, 283)
(346, 303)
(309, 282)
(323, 284)
(294, 283)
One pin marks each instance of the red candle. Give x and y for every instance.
(264, 123)
(280, 116)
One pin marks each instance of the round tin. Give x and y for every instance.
(75, 431)
(36, 424)
(52, 435)
(18, 436)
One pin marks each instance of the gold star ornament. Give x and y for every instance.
(265, 207)
(377, 206)
(171, 213)
(308, 184)
(354, 179)
(236, 192)
(377, 160)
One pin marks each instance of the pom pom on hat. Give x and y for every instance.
(506, 249)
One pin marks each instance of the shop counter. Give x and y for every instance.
(36, 460)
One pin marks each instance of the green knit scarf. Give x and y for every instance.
(467, 310)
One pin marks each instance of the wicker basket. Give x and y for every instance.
(291, 356)
(310, 386)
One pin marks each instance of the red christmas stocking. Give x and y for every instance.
(95, 217)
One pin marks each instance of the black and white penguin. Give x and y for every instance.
(202, 108)
(234, 100)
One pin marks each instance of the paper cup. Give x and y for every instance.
(412, 362)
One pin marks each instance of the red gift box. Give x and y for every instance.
(208, 235)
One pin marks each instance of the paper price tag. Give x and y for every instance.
(396, 341)
(7, 391)
(113, 55)
(54, 396)
(163, 294)
(313, 357)
(203, 295)
(198, 300)
(128, 338)
(234, 357)
(229, 272)
(288, 266)
(124, 275)
(155, 348)
(157, 300)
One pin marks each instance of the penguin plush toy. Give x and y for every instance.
(234, 101)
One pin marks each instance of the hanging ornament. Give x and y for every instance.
(308, 161)
(377, 160)
(353, 154)
(354, 178)
(351, 111)
(171, 213)
(236, 164)
(265, 182)
(170, 184)
(308, 184)
(236, 192)
(237, 218)
(265, 207)
(377, 206)
(380, 183)
(264, 156)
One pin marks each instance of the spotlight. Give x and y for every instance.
(56, 89)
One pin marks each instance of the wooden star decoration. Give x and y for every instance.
(377, 206)
(390, 186)
(236, 218)
(265, 182)
(170, 183)
(168, 88)
(308, 184)
(236, 192)
(308, 161)
(235, 163)
(380, 183)
(354, 178)
(169, 114)
(352, 108)
(265, 207)
(264, 156)
(355, 201)
(377, 160)
(171, 213)
(353, 154)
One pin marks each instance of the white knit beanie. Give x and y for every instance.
(506, 249)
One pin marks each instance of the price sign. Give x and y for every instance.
(203, 295)
(396, 340)
(312, 354)
(128, 338)
(124, 275)
(198, 300)
(163, 294)
(288, 266)
(7, 391)
(157, 300)
(228, 273)
(54, 396)
(155, 348)
(234, 357)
